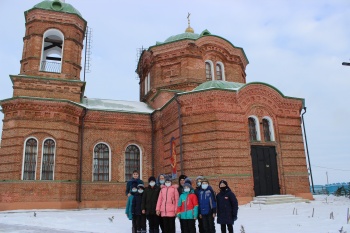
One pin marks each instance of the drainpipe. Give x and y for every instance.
(152, 138)
(180, 131)
(307, 150)
(81, 154)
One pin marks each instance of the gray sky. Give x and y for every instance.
(297, 46)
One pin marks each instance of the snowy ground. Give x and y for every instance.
(254, 218)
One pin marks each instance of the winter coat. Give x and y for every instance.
(149, 199)
(136, 204)
(128, 208)
(187, 207)
(207, 201)
(227, 207)
(167, 201)
(129, 184)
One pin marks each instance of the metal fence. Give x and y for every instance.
(49, 66)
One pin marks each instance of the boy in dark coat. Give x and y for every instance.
(135, 178)
(207, 206)
(196, 191)
(227, 207)
(140, 219)
(180, 189)
(149, 203)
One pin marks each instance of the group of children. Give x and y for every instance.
(162, 201)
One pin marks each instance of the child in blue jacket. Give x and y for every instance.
(128, 208)
(207, 206)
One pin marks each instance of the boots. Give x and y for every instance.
(156, 230)
(133, 230)
(150, 230)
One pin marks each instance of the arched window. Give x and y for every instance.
(48, 160)
(268, 129)
(254, 130)
(218, 72)
(51, 58)
(29, 160)
(101, 162)
(147, 83)
(209, 70)
(132, 161)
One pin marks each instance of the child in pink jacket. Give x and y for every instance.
(167, 205)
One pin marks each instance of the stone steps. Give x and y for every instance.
(277, 199)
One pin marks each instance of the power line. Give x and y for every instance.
(333, 169)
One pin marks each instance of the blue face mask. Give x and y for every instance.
(134, 190)
(161, 181)
(204, 186)
(187, 190)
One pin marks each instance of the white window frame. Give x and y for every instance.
(47, 33)
(24, 154)
(222, 70)
(211, 69)
(42, 156)
(271, 128)
(257, 127)
(140, 171)
(110, 161)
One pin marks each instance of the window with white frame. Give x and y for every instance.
(220, 71)
(254, 129)
(268, 129)
(147, 83)
(48, 160)
(209, 70)
(101, 164)
(132, 161)
(29, 159)
(52, 51)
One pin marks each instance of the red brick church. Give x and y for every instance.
(197, 115)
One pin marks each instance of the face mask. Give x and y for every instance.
(140, 190)
(161, 181)
(152, 183)
(199, 184)
(134, 190)
(167, 184)
(186, 190)
(223, 188)
(204, 186)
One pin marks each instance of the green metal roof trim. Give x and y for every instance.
(57, 5)
(194, 36)
(218, 84)
(99, 104)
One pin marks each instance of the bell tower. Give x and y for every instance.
(51, 59)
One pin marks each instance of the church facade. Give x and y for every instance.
(197, 115)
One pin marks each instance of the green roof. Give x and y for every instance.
(57, 5)
(218, 84)
(185, 35)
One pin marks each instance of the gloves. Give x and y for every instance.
(235, 218)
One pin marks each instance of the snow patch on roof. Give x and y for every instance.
(116, 105)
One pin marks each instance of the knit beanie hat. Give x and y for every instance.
(152, 178)
(134, 184)
(182, 177)
(205, 180)
(188, 181)
(141, 186)
(223, 181)
(167, 178)
(187, 185)
(199, 178)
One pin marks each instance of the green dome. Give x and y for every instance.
(185, 35)
(218, 84)
(57, 5)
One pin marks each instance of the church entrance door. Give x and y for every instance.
(265, 170)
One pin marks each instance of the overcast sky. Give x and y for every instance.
(297, 46)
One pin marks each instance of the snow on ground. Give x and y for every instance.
(254, 218)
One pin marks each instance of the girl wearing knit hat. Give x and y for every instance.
(227, 207)
(187, 210)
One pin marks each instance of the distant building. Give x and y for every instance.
(197, 116)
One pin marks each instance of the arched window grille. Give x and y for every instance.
(48, 160)
(252, 129)
(132, 160)
(101, 163)
(266, 127)
(218, 72)
(30, 155)
(208, 71)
